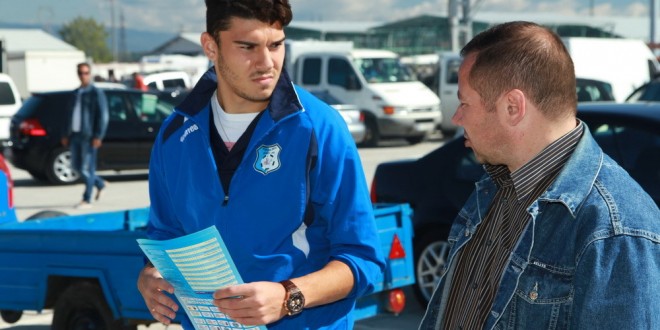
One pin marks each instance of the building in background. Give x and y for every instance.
(38, 61)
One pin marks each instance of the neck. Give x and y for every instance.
(530, 143)
(232, 103)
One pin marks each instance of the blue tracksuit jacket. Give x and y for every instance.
(297, 200)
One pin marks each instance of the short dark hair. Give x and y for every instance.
(526, 56)
(85, 64)
(220, 12)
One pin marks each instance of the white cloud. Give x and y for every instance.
(637, 9)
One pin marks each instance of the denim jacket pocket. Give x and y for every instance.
(542, 300)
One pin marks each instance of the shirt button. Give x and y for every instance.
(489, 242)
(474, 285)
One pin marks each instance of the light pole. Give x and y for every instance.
(113, 33)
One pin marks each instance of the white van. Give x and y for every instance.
(10, 101)
(626, 64)
(394, 102)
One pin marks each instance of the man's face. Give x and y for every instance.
(85, 75)
(483, 129)
(250, 59)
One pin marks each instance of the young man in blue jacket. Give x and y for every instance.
(275, 170)
(557, 235)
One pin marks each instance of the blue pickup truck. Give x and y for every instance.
(85, 267)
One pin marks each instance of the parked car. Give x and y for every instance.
(437, 184)
(134, 120)
(350, 112)
(10, 101)
(647, 92)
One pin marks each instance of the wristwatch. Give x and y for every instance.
(294, 302)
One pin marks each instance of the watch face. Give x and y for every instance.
(295, 303)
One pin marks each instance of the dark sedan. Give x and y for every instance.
(438, 184)
(35, 131)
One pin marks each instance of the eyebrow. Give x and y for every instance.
(254, 44)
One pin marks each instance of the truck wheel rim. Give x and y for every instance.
(63, 169)
(430, 265)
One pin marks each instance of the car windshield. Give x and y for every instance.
(383, 70)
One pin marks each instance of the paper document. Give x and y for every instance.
(197, 265)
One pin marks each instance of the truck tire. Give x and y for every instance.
(415, 139)
(11, 316)
(431, 252)
(58, 168)
(82, 306)
(371, 135)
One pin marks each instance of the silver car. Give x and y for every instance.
(350, 112)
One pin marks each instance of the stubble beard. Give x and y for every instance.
(230, 78)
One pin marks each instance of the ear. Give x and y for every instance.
(516, 106)
(210, 47)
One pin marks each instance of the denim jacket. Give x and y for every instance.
(589, 257)
(93, 112)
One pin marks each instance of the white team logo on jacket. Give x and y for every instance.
(268, 158)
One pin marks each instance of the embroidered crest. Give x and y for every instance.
(268, 158)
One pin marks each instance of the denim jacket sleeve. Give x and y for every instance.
(101, 120)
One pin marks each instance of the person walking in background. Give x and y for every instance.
(556, 235)
(275, 170)
(85, 131)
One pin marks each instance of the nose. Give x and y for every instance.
(457, 118)
(265, 60)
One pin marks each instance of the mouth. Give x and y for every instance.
(264, 79)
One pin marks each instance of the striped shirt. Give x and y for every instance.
(479, 267)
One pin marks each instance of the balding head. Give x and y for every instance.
(525, 56)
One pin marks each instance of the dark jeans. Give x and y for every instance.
(83, 160)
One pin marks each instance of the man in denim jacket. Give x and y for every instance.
(557, 236)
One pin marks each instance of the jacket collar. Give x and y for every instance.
(570, 188)
(576, 179)
(283, 102)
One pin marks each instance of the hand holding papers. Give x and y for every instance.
(196, 265)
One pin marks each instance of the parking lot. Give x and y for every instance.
(130, 190)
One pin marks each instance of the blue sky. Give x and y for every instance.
(188, 15)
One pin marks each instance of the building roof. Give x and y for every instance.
(334, 26)
(188, 43)
(22, 40)
(625, 26)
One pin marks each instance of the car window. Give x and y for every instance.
(6, 94)
(341, 73)
(452, 71)
(149, 108)
(593, 90)
(117, 107)
(174, 83)
(311, 71)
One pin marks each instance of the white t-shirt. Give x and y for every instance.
(230, 126)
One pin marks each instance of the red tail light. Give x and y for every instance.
(396, 249)
(32, 127)
(10, 182)
(361, 116)
(372, 193)
(396, 301)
